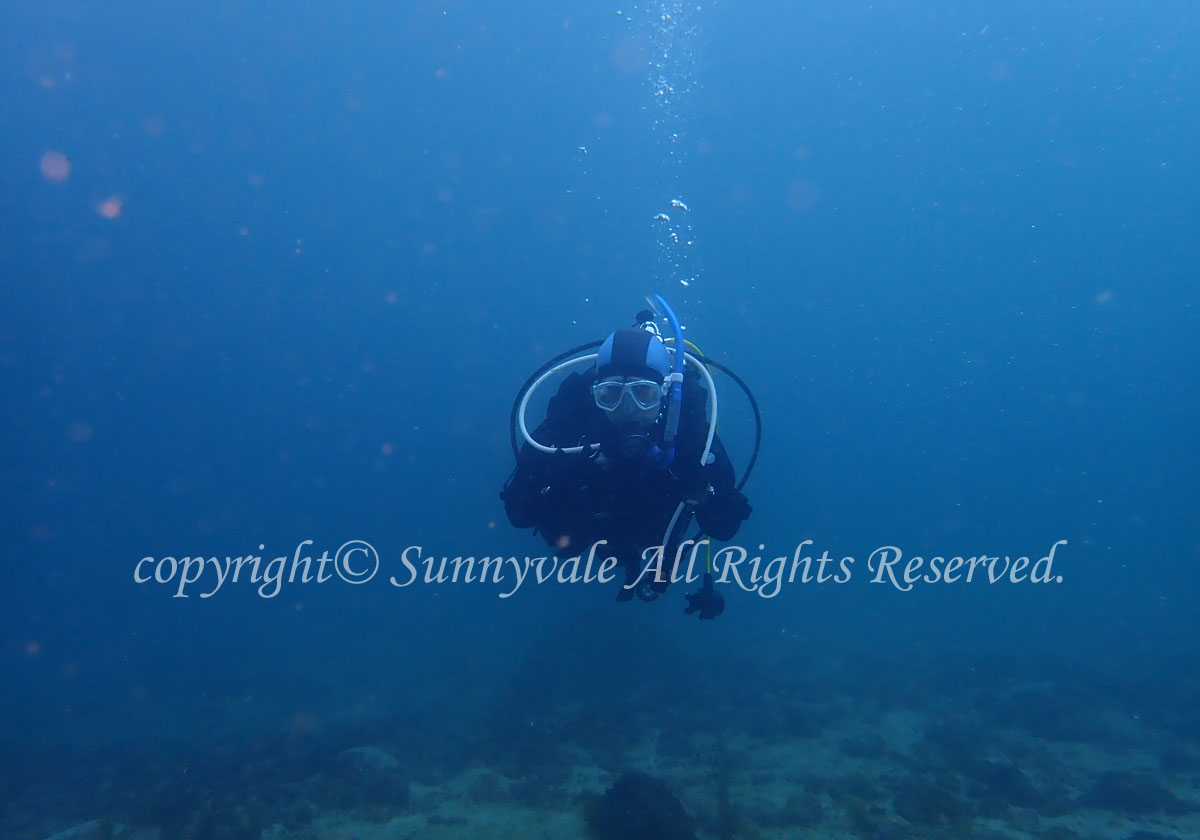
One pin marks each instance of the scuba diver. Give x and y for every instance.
(628, 454)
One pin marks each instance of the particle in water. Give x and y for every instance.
(55, 167)
(110, 208)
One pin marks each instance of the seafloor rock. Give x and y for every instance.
(802, 810)
(366, 777)
(1134, 794)
(925, 801)
(639, 807)
(1177, 760)
(995, 785)
(92, 830)
(1060, 832)
(372, 758)
(105, 830)
(1055, 716)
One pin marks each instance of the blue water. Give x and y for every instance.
(301, 257)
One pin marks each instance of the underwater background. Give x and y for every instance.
(274, 273)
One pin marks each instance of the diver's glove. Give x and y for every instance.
(706, 601)
(721, 515)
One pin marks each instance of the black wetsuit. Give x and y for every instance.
(576, 500)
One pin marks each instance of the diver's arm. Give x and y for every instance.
(535, 490)
(524, 502)
(725, 509)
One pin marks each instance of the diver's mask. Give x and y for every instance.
(645, 393)
(633, 407)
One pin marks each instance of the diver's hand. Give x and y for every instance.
(721, 515)
(707, 601)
